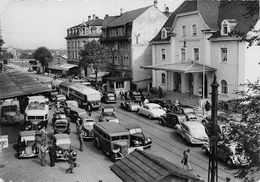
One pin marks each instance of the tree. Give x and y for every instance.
(43, 55)
(247, 131)
(33, 62)
(94, 55)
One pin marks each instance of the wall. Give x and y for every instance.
(252, 64)
(145, 27)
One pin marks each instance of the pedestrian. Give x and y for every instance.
(80, 135)
(89, 108)
(78, 124)
(52, 154)
(185, 158)
(176, 102)
(207, 106)
(71, 162)
(43, 152)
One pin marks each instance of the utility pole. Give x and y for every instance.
(213, 165)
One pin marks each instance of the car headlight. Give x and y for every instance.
(136, 142)
(23, 152)
(59, 151)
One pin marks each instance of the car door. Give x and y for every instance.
(169, 119)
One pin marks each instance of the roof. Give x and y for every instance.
(16, 84)
(111, 127)
(65, 66)
(132, 125)
(95, 22)
(82, 88)
(126, 17)
(100, 74)
(142, 166)
(61, 136)
(186, 67)
(108, 19)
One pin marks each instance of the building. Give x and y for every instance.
(78, 35)
(203, 37)
(142, 166)
(127, 39)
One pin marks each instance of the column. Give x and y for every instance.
(184, 83)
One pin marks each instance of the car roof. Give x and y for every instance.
(152, 104)
(27, 133)
(106, 107)
(77, 109)
(132, 125)
(61, 136)
(111, 127)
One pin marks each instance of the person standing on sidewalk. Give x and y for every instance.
(89, 108)
(43, 152)
(71, 162)
(185, 159)
(52, 154)
(80, 135)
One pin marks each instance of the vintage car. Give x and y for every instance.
(186, 110)
(27, 144)
(108, 115)
(58, 114)
(151, 110)
(76, 113)
(109, 97)
(129, 105)
(62, 144)
(171, 119)
(61, 125)
(68, 105)
(137, 137)
(87, 128)
(193, 132)
(53, 96)
(60, 100)
(34, 125)
(164, 103)
(230, 152)
(137, 96)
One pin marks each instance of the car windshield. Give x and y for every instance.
(61, 116)
(109, 114)
(88, 121)
(63, 141)
(188, 110)
(72, 104)
(61, 126)
(110, 95)
(9, 109)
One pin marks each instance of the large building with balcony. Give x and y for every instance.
(127, 39)
(200, 39)
(78, 35)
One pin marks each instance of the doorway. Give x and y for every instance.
(177, 82)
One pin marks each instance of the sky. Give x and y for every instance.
(29, 24)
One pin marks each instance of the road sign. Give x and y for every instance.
(3, 141)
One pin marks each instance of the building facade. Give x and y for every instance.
(200, 39)
(79, 35)
(127, 39)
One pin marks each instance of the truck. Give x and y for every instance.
(10, 112)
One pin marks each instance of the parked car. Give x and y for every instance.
(164, 103)
(193, 132)
(108, 115)
(60, 99)
(53, 96)
(88, 123)
(137, 137)
(186, 110)
(58, 114)
(129, 105)
(231, 153)
(171, 119)
(34, 125)
(137, 97)
(109, 97)
(68, 105)
(76, 113)
(62, 144)
(61, 125)
(151, 110)
(27, 144)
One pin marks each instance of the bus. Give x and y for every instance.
(84, 95)
(64, 88)
(112, 138)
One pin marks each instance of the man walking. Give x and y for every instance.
(52, 154)
(71, 162)
(43, 150)
(80, 135)
(185, 161)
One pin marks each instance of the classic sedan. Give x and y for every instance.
(151, 110)
(129, 105)
(63, 146)
(193, 132)
(109, 97)
(164, 103)
(231, 153)
(27, 144)
(188, 111)
(70, 104)
(108, 115)
(171, 119)
(88, 123)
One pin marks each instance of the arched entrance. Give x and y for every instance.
(177, 82)
(205, 85)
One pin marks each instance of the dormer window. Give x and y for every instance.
(227, 26)
(163, 34)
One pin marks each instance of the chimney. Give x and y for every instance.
(166, 9)
(155, 3)
(121, 11)
(89, 18)
(94, 16)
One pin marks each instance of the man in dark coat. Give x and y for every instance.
(71, 163)
(52, 154)
(89, 108)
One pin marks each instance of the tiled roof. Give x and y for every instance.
(108, 19)
(16, 84)
(142, 166)
(126, 17)
(95, 22)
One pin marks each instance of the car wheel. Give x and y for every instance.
(162, 122)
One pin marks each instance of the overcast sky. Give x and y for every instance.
(29, 24)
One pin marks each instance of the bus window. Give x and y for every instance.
(115, 138)
(124, 137)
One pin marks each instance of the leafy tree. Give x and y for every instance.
(33, 62)
(43, 55)
(94, 55)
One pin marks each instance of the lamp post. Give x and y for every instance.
(213, 165)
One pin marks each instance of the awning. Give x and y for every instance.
(100, 75)
(65, 66)
(16, 84)
(186, 67)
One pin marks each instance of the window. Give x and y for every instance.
(224, 87)
(119, 84)
(183, 31)
(196, 54)
(183, 54)
(223, 54)
(163, 54)
(163, 34)
(194, 30)
(163, 78)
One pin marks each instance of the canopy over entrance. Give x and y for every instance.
(186, 67)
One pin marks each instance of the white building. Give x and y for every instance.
(203, 37)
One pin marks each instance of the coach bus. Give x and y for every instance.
(84, 95)
(112, 138)
(64, 88)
